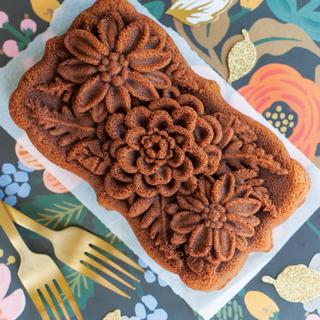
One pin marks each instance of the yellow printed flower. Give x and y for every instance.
(250, 4)
(45, 9)
(260, 306)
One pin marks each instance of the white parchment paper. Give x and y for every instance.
(205, 303)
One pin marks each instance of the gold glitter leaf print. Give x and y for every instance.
(296, 283)
(241, 58)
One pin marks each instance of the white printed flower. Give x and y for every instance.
(150, 276)
(193, 12)
(313, 305)
(147, 310)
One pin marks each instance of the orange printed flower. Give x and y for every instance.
(49, 180)
(290, 102)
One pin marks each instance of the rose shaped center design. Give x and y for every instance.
(214, 216)
(158, 149)
(114, 69)
(157, 145)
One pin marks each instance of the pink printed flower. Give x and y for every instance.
(12, 306)
(3, 18)
(313, 317)
(10, 48)
(28, 24)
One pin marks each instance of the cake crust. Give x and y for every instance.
(201, 184)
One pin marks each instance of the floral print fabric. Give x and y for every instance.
(289, 102)
(298, 74)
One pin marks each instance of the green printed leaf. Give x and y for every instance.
(55, 211)
(102, 231)
(156, 8)
(307, 17)
(231, 311)
(240, 311)
(82, 287)
(314, 228)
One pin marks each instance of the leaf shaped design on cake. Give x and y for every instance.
(64, 125)
(123, 61)
(91, 155)
(59, 88)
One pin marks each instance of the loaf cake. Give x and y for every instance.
(200, 184)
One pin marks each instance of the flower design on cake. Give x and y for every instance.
(219, 217)
(120, 62)
(161, 147)
(193, 178)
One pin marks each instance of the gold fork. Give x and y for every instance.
(39, 275)
(81, 250)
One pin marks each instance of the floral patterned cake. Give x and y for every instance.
(201, 184)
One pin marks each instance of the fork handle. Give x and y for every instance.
(26, 222)
(11, 231)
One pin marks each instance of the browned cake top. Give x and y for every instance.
(120, 109)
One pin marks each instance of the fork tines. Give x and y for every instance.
(54, 297)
